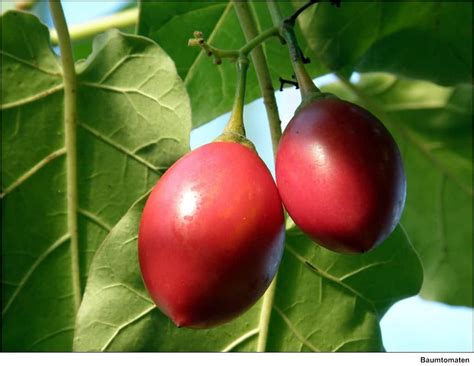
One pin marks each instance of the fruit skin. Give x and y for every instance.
(211, 235)
(340, 176)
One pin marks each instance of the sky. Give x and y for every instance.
(411, 325)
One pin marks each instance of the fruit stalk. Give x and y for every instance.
(307, 88)
(234, 131)
(304, 80)
(236, 121)
(70, 123)
(248, 25)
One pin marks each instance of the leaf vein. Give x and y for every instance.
(32, 269)
(240, 340)
(51, 335)
(335, 349)
(363, 268)
(295, 331)
(123, 326)
(120, 148)
(126, 91)
(32, 171)
(32, 65)
(32, 98)
(120, 63)
(127, 288)
(95, 219)
(329, 277)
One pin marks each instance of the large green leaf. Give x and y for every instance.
(423, 40)
(324, 301)
(433, 127)
(211, 87)
(133, 122)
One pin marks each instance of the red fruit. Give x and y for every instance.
(211, 235)
(340, 176)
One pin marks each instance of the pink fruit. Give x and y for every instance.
(340, 176)
(211, 235)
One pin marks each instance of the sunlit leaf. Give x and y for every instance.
(133, 122)
(324, 301)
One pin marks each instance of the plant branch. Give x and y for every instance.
(259, 61)
(219, 53)
(81, 31)
(248, 24)
(70, 123)
(258, 39)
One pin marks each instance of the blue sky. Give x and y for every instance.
(410, 325)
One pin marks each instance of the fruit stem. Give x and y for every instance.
(234, 131)
(70, 123)
(236, 121)
(304, 80)
(287, 31)
(249, 27)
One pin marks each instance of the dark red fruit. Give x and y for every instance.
(340, 176)
(211, 235)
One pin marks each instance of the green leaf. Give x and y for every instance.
(433, 127)
(82, 48)
(328, 301)
(423, 40)
(212, 87)
(324, 301)
(133, 122)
